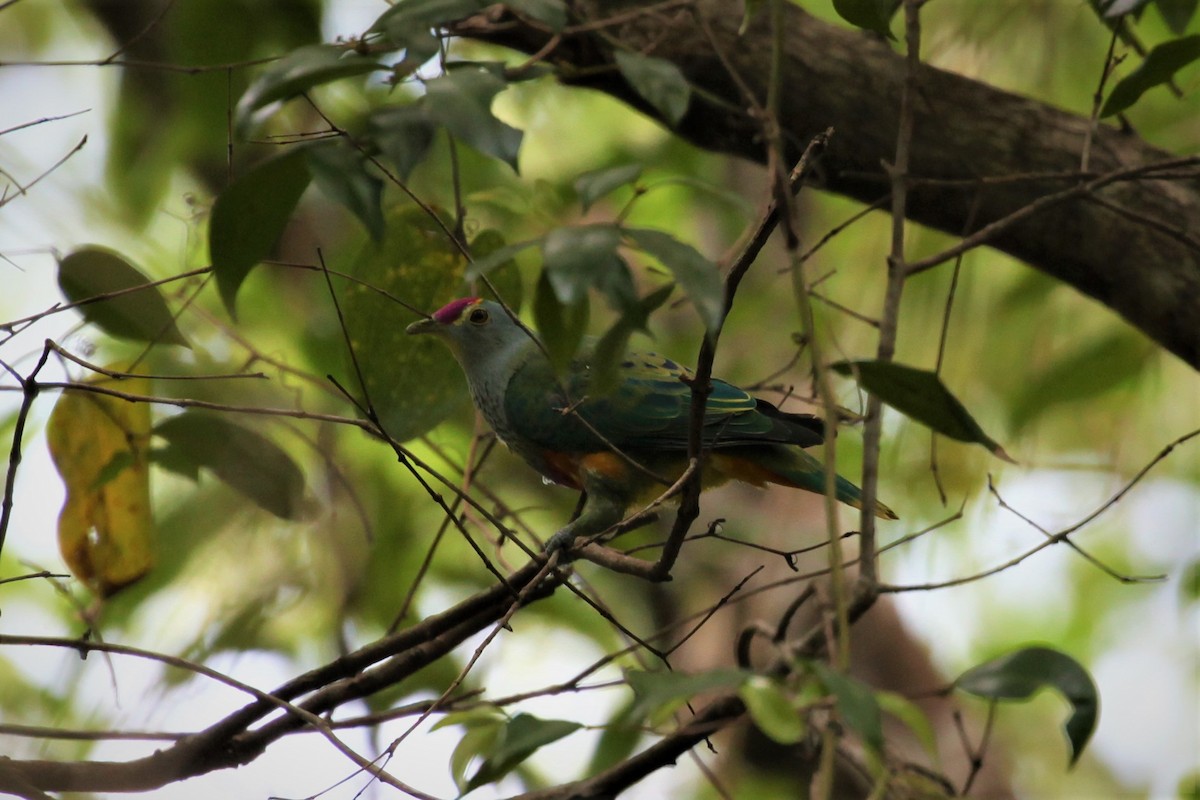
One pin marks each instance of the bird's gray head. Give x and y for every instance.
(477, 331)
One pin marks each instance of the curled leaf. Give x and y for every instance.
(1021, 674)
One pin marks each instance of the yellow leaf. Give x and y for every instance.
(100, 446)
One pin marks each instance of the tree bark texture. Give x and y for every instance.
(1133, 244)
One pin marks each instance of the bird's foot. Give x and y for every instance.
(560, 541)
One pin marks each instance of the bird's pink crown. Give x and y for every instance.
(453, 310)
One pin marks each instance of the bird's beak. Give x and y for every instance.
(428, 325)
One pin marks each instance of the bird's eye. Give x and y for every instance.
(478, 316)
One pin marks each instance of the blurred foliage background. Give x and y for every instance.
(1079, 399)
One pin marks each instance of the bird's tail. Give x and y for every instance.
(791, 466)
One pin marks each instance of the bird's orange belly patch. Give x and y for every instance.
(607, 465)
(569, 469)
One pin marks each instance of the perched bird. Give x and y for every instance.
(619, 447)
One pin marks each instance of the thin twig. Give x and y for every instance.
(21, 190)
(30, 388)
(713, 609)
(951, 293)
(11, 325)
(42, 120)
(45, 573)
(1107, 570)
(1098, 100)
(897, 273)
(121, 375)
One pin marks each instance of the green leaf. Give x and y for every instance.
(342, 173)
(462, 101)
(591, 186)
(610, 350)
(912, 716)
(505, 276)
(1092, 369)
(300, 70)
(615, 282)
(171, 459)
(522, 737)
(1177, 14)
(920, 395)
(1189, 583)
(1160, 66)
(772, 710)
(240, 457)
(696, 275)
(409, 25)
(1189, 786)
(412, 381)
(404, 18)
(561, 326)
(485, 263)
(484, 727)
(658, 694)
(856, 705)
(552, 13)
(403, 133)
(249, 217)
(142, 315)
(1021, 674)
(659, 82)
(480, 716)
(574, 258)
(617, 741)
(871, 15)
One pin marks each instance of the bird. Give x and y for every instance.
(623, 446)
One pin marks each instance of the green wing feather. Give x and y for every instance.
(649, 409)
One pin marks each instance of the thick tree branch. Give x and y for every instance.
(965, 133)
(231, 742)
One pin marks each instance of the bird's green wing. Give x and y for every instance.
(650, 408)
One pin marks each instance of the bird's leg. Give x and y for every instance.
(601, 510)
(579, 504)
